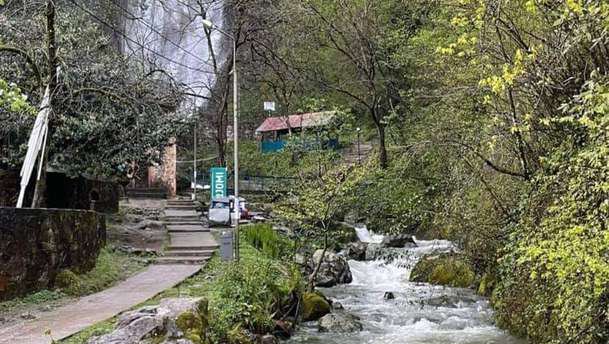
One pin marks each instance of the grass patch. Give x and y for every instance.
(93, 331)
(41, 297)
(112, 266)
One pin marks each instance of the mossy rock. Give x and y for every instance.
(191, 325)
(314, 306)
(486, 285)
(69, 282)
(444, 269)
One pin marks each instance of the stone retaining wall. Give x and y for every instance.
(36, 244)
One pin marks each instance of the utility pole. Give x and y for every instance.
(194, 163)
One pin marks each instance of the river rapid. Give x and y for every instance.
(419, 314)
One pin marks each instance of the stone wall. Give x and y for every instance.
(36, 244)
(77, 193)
(63, 192)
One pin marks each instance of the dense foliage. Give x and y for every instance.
(496, 129)
(109, 110)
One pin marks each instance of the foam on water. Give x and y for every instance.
(463, 318)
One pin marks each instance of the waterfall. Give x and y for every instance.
(364, 235)
(170, 35)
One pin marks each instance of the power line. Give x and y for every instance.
(122, 34)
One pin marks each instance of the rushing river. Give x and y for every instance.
(419, 314)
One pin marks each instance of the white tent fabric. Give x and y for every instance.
(36, 142)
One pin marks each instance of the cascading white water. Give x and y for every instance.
(365, 236)
(170, 34)
(420, 313)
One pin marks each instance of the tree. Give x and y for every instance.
(109, 110)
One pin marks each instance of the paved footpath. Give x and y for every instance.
(70, 319)
(189, 249)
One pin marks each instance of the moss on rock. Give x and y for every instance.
(69, 282)
(444, 269)
(314, 306)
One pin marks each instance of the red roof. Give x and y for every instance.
(305, 120)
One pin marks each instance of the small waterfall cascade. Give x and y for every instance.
(170, 35)
(419, 314)
(366, 236)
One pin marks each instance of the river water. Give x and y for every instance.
(419, 314)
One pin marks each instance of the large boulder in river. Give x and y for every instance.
(398, 241)
(339, 322)
(356, 251)
(333, 270)
(314, 306)
(179, 320)
(448, 269)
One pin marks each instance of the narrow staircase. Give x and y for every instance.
(148, 193)
(190, 242)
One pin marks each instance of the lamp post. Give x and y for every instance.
(211, 25)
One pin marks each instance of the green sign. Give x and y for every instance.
(219, 182)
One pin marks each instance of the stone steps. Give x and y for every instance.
(182, 260)
(189, 218)
(185, 253)
(188, 230)
(154, 193)
(183, 223)
(192, 248)
(191, 242)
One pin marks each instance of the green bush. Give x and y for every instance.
(554, 278)
(264, 238)
(248, 294)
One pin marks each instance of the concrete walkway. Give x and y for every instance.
(73, 318)
(191, 245)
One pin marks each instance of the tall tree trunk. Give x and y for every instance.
(313, 277)
(382, 148)
(41, 185)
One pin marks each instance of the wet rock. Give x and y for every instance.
(284, 328)
(27, 316)
(314, 306)
(337, 305)
(268, 339)
(334, 269)
(398, 241)
(181, 321)
(300, 259)
(356, 251)
(443, 301)
(389, 296)
(339, 322)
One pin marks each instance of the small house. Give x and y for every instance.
(274, 131)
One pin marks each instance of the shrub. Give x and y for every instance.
(247, 294)
(264, 238)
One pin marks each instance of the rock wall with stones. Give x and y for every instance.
(77, 193)
(63, 192)
(36, 244)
